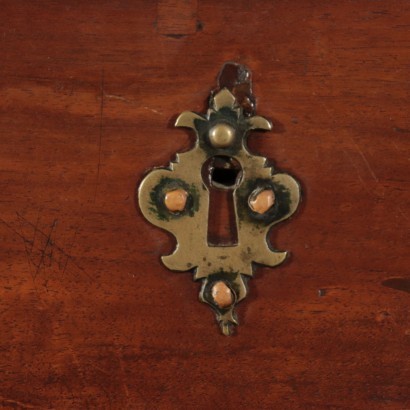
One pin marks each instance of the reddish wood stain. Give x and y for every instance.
(89, 318)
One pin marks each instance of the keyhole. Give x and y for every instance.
(222, 174)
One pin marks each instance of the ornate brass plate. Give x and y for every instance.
(177, 198)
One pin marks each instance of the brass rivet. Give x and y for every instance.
(175, 200)
(222, 295)
(262, 201)
(221, 135)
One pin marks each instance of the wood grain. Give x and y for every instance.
(89, 318)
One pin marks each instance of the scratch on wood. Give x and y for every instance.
(16, 404)
(152, 110)
(69, 252)
(29, 252)
(59, 248)
(115, 97)
(35, 231)
(358, 173)
(123, 377)
(43, 251)
(403, 214)
(366, 162)
(101, 131)
(30, 261)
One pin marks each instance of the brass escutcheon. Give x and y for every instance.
(177, 199)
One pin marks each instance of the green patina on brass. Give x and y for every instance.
(157, 196)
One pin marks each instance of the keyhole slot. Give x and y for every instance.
(222, 174)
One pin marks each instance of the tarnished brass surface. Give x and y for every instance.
(229, 265)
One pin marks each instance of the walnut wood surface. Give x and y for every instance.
(89, 318)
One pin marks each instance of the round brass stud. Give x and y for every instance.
(221, 135)
(175, 200)
(262, 201)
